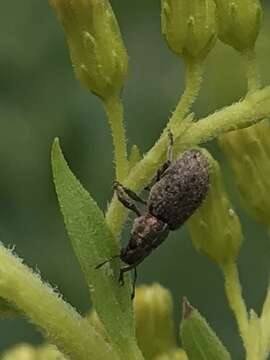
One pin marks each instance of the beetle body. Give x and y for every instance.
(147, 233)
(178, 190)
(181, 189)
(172, 200)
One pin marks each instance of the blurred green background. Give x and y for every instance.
(40, 99)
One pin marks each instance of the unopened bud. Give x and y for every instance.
(215, 228)
(96, 48)
(199, 340)
(154, 320)
(239, 22)
(189, 27)
(28, 352)
(178, 354)
(20, 352)
(248, 152)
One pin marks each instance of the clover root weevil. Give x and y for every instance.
(177, 190)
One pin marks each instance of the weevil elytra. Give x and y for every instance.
(176, 192)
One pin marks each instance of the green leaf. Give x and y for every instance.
(198, 339)
(93, 243)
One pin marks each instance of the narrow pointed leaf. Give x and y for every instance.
(199, 340)
(93, 243)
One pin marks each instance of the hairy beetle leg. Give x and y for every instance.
(165, 166)
(170, 147)
(121, 277)
(125, 196)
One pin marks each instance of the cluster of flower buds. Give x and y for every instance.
(96, 48)
(215, 228)
(239, 22)
(247, 150)
(189, 27)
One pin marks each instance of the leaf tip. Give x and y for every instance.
(187, 308)
(55, 144)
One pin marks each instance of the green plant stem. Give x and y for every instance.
(58, 321)
(194, 71)
(252, 72)
(114, 110)
(239, 115)
(234, 295)
(150, 163)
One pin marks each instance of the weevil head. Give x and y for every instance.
(146, 234)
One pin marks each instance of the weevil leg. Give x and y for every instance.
(107, 261)
(125, 196)
(170, 147)
(130, 193)
(121, 277)
(126, 269)
(134, 283)
(165, 166)
(158, 175)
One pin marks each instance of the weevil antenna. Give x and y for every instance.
(106, 261)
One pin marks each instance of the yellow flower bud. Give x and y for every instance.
(154, 321)
(189, 27)
(20, 352)
(239, 22)
(28, 352)
(215, 228)
(96, 48)
(178, 354)
(248, 152)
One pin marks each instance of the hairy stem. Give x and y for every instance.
(194, 71)
(240, 115)
(150, 163)
(252, 72)
(247, 112)
(114, 110)
(234, 295)
(58, 321)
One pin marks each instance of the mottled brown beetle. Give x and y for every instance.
(176, 192)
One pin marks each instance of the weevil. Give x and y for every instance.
(177, 190)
